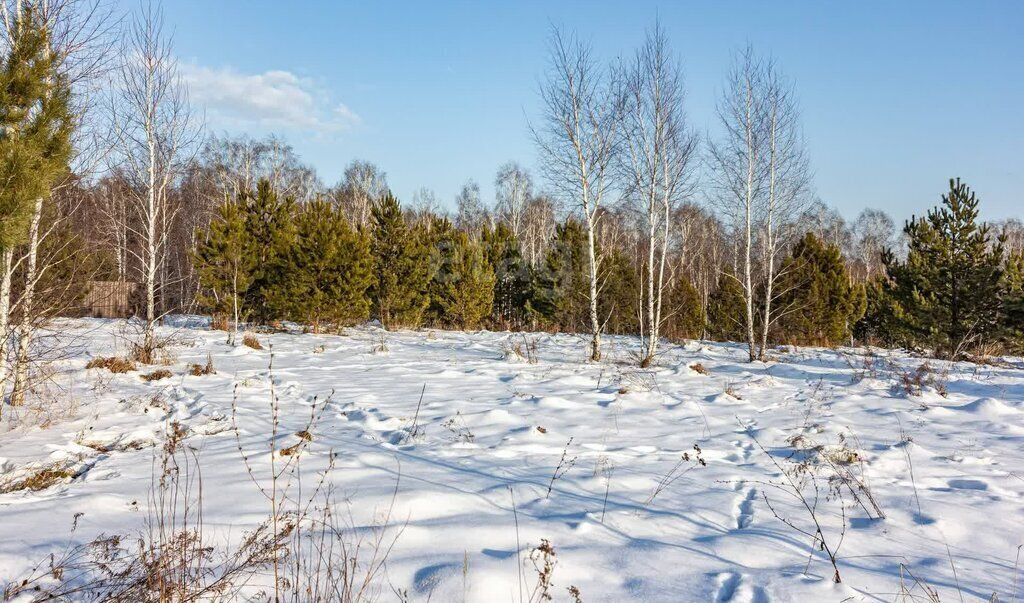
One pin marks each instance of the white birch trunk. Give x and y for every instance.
(25, 327)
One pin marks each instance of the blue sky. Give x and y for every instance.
(897, 97)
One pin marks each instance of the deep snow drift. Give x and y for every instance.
(630, 520)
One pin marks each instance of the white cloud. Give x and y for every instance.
(272, 99)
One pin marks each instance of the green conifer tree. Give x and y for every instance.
(36, 123)
(727, 309)
(818, 304)
(949, 291)
(560, 295)
(270, 222)
(879, 324)
(466, 294)
(684, 311)
(512, 276)
(439, 236)
(1013, 306)
(401, 266)
(619, 284)
(328, 270)
(225, 261)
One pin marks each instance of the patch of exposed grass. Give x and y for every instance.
(157, 375)
(114, 364)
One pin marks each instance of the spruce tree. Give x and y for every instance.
(328, 268)
(467, 291)
(727, 309)
(512, 277)
(819, 305)
(225, 260)
(401, 266)
(948, 292)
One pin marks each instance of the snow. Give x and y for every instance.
(946, 470)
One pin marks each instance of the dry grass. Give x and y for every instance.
(114, 364)
(219, 323)
(698, 368)
(40, 480)
(198, 370)
(157, 375)
(250, 340)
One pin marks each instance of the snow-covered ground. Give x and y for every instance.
(630, 519)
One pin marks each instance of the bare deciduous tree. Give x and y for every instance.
(874, 231)
(787, 188)
(656, 161)
(470, 213)
(737, 167)
(513, 190)
(156, 138)
(577, 139)
(362, 184)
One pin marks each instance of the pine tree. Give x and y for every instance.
(619, 303)
(1013, 307)
(512, 276)
(948, 292)
(879, 324)
(36, 123)
(818, 304)
(467, 289)
(225, 260)
(328, 268)
(727, 309)
(438, 234)
(684, 312)
(401, 266)
(561, 287)
(270, 222)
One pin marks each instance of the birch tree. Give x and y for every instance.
(787, 189)
(577, 138)
(42, 43)
(362, 185)
(513, 191)
(656, 156)
(874, 231)
(737, 169)
(156, 137)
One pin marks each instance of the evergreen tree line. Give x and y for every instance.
(266, 257)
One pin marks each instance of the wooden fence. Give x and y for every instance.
(110, 299)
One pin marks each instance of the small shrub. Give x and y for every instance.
(698, 368)
(198, 370)
(114, 364)
(912, 383)
(250, 340)
(219, 323)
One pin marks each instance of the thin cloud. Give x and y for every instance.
(272, 99)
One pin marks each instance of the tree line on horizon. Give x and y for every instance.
(636, 224)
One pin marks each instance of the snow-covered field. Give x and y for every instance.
(630, 519)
